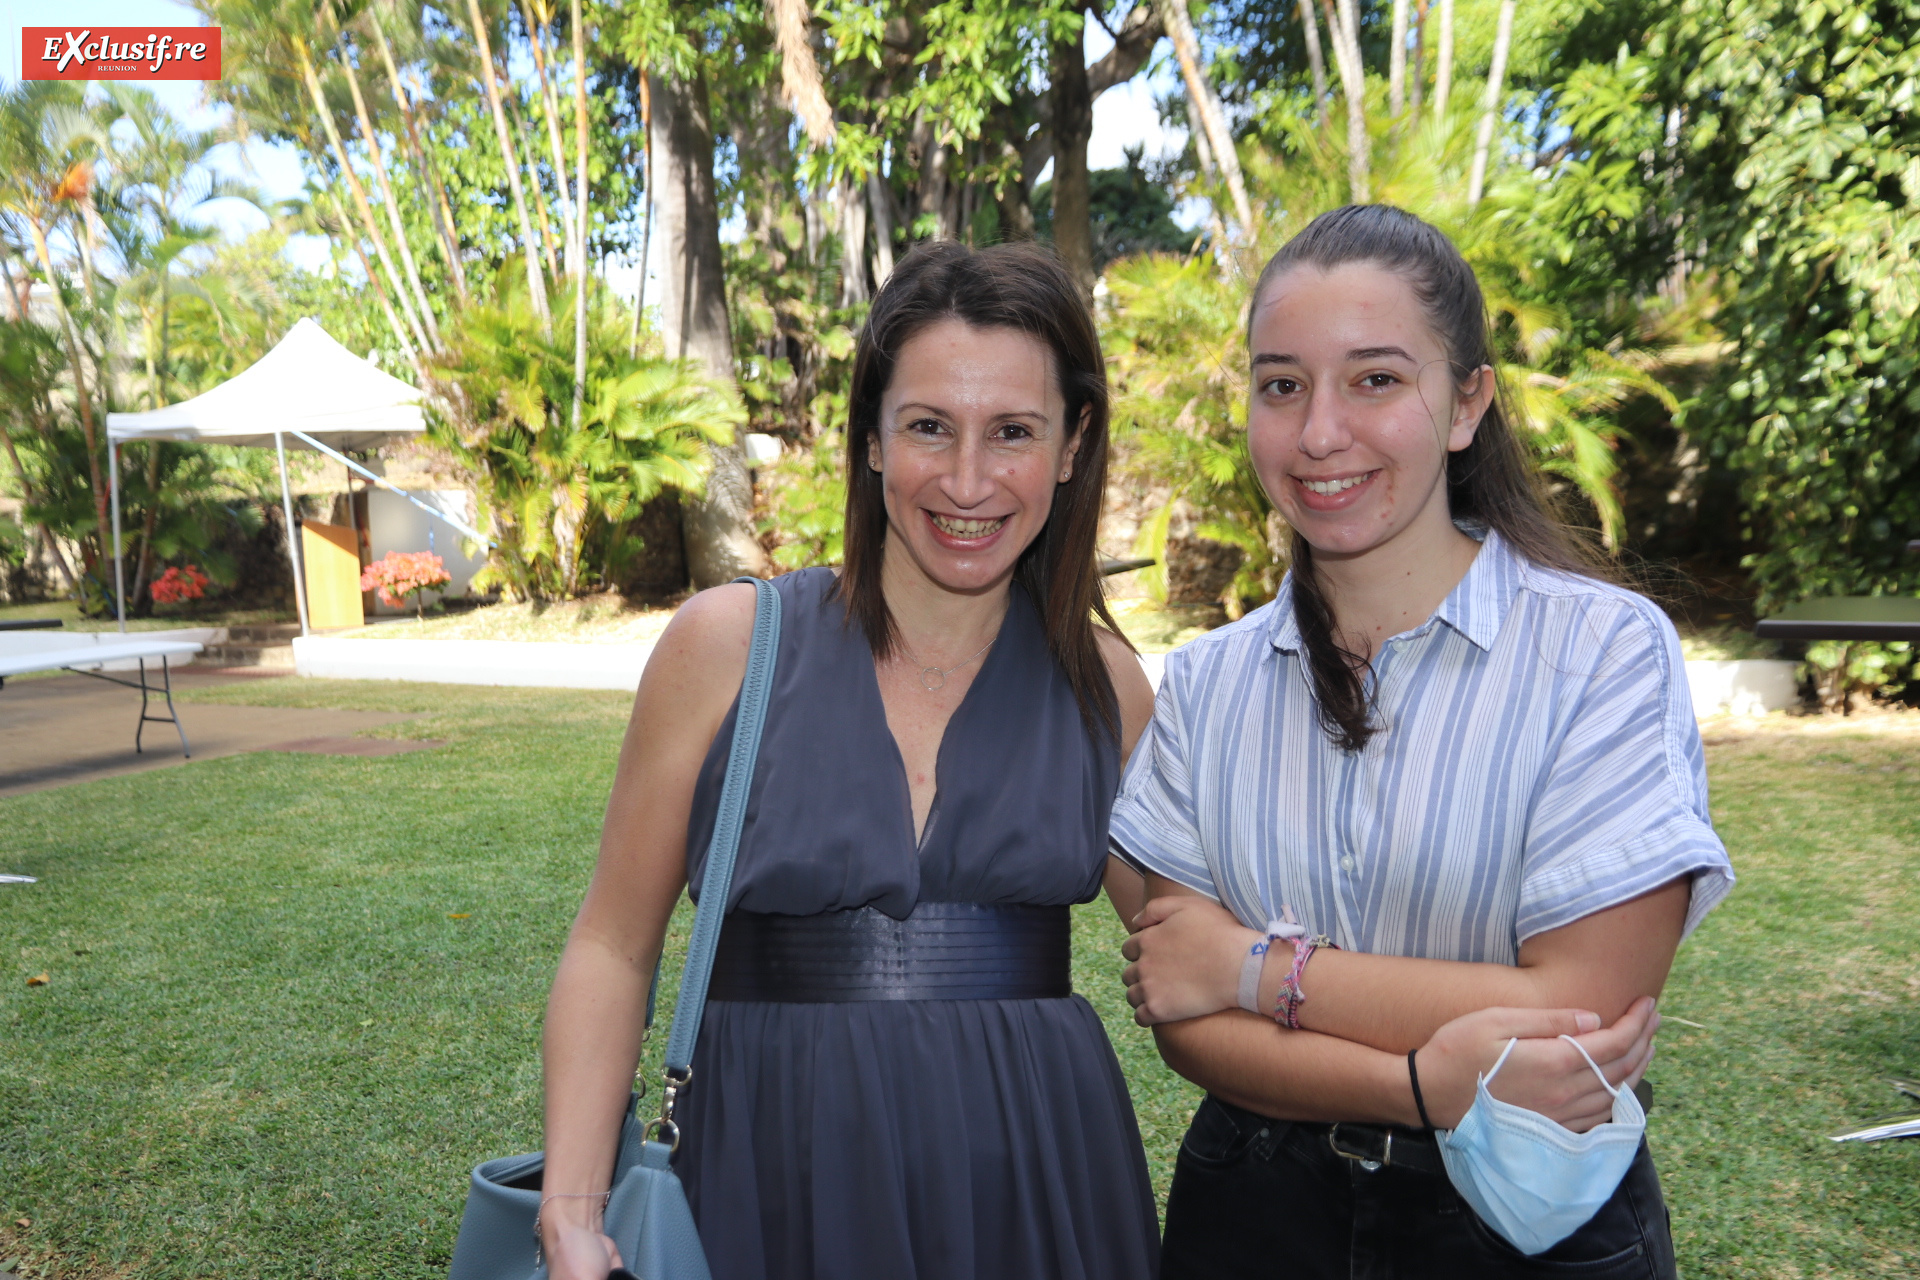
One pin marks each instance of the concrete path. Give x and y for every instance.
(64, 729)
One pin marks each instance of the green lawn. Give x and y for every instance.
(267, 1048)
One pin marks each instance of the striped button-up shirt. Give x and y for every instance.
(1537, 762)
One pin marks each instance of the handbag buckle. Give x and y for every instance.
(669, 1096)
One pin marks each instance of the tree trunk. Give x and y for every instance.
(80, 396)
(536, 282)
(1343, 22)
(852, 202)
(436, 199)
(1072, 126)
(580, 123)
(379, 158)
(1397, 62)
(1417, 78)
(370, 224)
(1490, 104)
(1443, 66)
(880, 201)
(1310, 26)
(550, 112)
(379, 289)
(539, 190)
(1207, 109)
(718, 526)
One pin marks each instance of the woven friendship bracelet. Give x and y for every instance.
(1286, 1005)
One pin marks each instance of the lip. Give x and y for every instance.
(944, 539)
(1332, 501)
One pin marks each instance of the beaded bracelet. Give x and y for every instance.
(1286, 1004)
(1256, 961)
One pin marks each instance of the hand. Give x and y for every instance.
(579, 1253)
(1544, 1073)
(1186, 958)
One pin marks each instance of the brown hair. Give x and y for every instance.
(1011, 286)
(1490, 482)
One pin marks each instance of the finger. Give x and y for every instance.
(1536, 1024)
(1136, 995)
(1157, 910)
(1611, 1044)
(1130, 949)
(1639, 1073)
(1130, 975)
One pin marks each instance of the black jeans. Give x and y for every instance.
(1258, 1197)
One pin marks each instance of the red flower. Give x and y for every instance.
(178, 584)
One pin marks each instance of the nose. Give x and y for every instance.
(1325, 432)
(969, 480)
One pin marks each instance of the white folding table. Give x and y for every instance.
(85, 659)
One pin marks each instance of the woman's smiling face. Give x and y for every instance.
(972, 443)
(1355, 407)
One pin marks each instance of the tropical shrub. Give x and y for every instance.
(558, 495)
(178, 585)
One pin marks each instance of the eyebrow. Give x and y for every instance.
(916, 406)
(1358, 353)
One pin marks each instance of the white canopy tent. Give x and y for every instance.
(308, 392)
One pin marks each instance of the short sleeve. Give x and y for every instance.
(1154, 827)
(1623, 808)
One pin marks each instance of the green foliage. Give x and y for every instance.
(558, 496)
(1843, 671)
(1803, 164)
(806, 504)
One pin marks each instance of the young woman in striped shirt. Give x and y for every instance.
(1451, 749)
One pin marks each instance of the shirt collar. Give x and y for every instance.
(1476, 607)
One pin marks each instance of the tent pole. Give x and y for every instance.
(293, 534)
(119, 571)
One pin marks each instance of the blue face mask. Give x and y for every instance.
(1530, 1178)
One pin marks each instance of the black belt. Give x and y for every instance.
(1385, 1146)
(943, 951)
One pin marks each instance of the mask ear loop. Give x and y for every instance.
(1501, 1061)
(1611, 1090)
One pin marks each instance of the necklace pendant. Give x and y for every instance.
(932, 679)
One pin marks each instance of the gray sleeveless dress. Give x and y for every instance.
(913, 1140)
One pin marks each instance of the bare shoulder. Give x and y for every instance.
(1130, 686)
(702, 654)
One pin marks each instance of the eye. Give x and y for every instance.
(1280, 386)
(1014, 431)
(926, 426)
(1379, 380)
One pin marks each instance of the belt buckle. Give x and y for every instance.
(1365, 1159)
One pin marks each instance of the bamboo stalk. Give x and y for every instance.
(580, 123)
(371, 225)
(536, 282)
(1490, 104)
(550, 109)
(1443, 67)
(1206, 105)
(437, 205)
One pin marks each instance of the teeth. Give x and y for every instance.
(1331, 487)
(967, 528)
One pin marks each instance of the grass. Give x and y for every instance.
(292, 999)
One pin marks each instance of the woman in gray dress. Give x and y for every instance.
(893, 1078)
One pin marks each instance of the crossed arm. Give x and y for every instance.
(1365, 1013)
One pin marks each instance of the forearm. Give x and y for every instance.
(594, 1030)
(1289, 1075)
(1395, 1003)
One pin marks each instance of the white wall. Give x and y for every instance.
(394, 524)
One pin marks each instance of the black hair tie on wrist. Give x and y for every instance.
(1413, 1074)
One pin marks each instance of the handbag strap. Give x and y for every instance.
(717, 881)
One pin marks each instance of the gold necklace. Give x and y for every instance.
(933, 679)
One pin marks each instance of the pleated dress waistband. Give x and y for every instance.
(943, 951)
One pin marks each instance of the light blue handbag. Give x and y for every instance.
(647, 1214)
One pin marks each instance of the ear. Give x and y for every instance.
(873, 451)
(1474, 399)
(1073, 444)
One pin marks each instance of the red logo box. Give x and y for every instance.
(120, 53)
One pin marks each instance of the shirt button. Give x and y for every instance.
(1346, 862)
